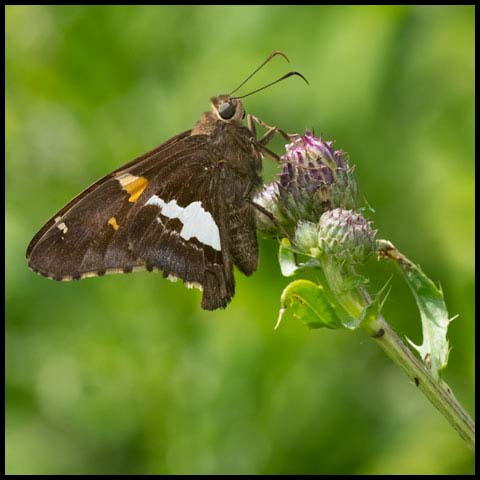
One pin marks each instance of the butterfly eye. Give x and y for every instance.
(226, 110)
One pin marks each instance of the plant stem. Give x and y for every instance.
(437, 391)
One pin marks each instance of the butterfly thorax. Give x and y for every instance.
(231, 144)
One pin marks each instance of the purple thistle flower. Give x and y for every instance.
(315, 178)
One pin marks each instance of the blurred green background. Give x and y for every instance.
(126, 374)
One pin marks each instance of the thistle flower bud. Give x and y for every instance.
(315, 178)
(346, 236)
(306, 238)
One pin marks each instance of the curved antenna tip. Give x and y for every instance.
(273, 54)
(278, 52)
(289, 74)
(298, 74)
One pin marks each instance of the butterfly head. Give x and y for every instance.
(227, 108)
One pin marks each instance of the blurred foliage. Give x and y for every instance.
(126, 374)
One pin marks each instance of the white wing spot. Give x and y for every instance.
(196, 221)
(61, 226)
(126, 178)
(194, 285)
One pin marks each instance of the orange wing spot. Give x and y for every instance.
(113, 223)
(133, 185)
(136, 188)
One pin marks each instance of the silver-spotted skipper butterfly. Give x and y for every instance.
(185, 208)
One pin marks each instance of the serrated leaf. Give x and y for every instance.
(308, 302)
(433, 311)
(435, 349)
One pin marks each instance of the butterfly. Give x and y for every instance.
(185, 208)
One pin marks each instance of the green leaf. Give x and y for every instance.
(433, 311)
(288, 262)
(354, 281)
(308, 302)
(286, 258)
(373, 310)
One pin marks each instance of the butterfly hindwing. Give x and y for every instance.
(243, 237)
(179, 228)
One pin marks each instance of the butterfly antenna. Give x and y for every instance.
(274, 54)
(289, 74)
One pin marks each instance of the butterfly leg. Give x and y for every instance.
(271, 154)
(267, 136)
(251, 125)
(265, 139)
(265, 212)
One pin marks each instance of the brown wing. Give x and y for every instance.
(147, 158)
(181, 229)
(112, 228)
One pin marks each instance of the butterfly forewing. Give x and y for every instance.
(144, 160)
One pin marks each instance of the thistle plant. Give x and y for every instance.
(313, 207)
